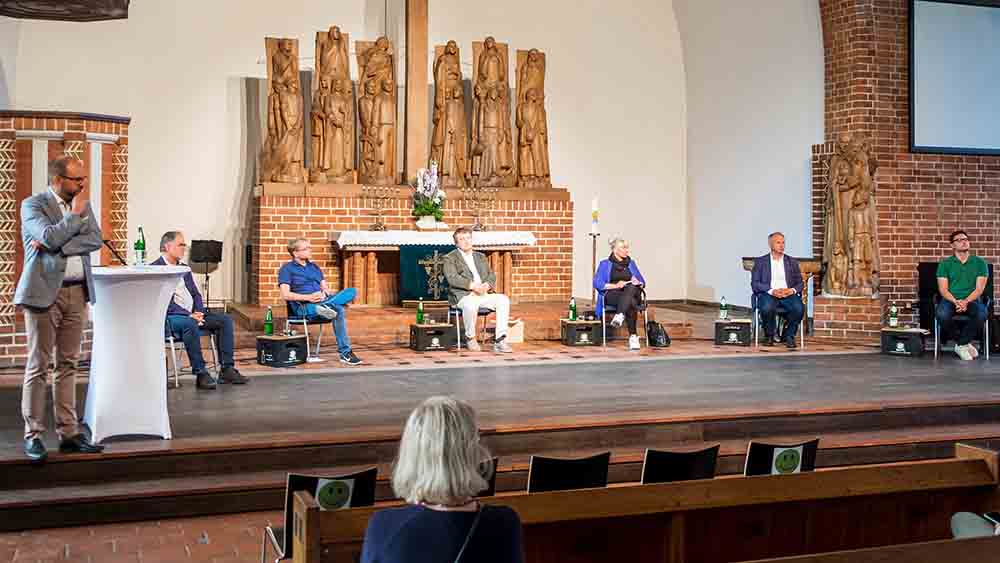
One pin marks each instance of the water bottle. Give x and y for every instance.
(893, 315)
(572, 308)
(269, 322)
(140, 248)
(420, 311)
(723, 309)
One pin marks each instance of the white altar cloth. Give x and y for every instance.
(347, 239)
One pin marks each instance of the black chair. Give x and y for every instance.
(780, 312)
(354, 489)
(667, 467)
(491, 483)
(608, 308)
(171, 342)
(457, 311)
(293, 319)
(555, 474)
(927, 274)
(779, 459)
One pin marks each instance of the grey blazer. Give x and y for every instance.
(72, 235)
(459, 276)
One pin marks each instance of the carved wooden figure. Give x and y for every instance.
(492, 147)
(449, 139)
(332, 111)
(282, 155)
(377, 110)
(850, 221)
(532, 121)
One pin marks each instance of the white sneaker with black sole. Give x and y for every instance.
(633, 342)
(618, 320)
(326, 312)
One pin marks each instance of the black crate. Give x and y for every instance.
(281, 351)
(733, 333)
(430, 337)
(902, 343)
(581, 333)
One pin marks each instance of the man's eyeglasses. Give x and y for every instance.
(77, 179)
(960, 239)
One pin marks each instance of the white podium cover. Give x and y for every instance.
(127, 392)
(403, 238)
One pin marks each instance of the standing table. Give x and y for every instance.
(127, 392)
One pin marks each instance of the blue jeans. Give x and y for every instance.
(187, 329)
(767, 304)
(336, 302)
(976, 312)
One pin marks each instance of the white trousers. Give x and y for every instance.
(470, 305)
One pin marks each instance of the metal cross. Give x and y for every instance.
(434, 266)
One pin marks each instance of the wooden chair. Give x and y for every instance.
(554, 474)
(668, 467)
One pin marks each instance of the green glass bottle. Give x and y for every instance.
(140, 248)
(420, 311)
(893, 315)
(269, 321)
(572, 308)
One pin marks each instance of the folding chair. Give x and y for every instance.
(171, 343)
(293, 319)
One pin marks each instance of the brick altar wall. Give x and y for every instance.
(921, 197)
(63, 132)
(540, 273)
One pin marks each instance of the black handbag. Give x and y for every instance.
(656, 335)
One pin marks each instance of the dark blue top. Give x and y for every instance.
(416, 534)
(302, 279)
(174, 308)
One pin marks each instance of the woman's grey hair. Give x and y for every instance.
(440, 459)
(615, 241)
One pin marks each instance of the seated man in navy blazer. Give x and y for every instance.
(775, 279)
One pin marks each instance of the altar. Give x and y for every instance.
(363, 251)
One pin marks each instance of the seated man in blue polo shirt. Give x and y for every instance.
(187, 318)
(304, 287)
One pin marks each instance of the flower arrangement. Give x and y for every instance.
(428, 198)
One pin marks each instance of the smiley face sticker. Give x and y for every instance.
(787, 460)
(334, 494)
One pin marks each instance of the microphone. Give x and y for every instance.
(107, 243)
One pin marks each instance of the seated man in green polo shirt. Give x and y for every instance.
(961, 280)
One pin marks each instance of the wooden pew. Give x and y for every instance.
(714, 520)
(978, 550)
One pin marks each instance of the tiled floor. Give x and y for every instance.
(212, 539)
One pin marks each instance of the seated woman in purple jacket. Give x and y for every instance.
(617, 282)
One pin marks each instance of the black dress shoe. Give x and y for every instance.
(204, 381)
(232, 375)
(768, 341)
(79, 444)
(790, 344)
(34, 448)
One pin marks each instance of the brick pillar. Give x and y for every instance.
(9, 239)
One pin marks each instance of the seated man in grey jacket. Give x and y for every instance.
(472, 281)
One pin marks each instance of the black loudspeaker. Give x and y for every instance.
(206, 252)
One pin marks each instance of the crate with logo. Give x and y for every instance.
(903, 341)
(581, 332)
(432, 336)
(279, 350)
(733, 332)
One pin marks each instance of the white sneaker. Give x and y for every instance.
(633, 342)
(472, 345)
(963, 352)
(973, 350)
(617, 320)
(325, 312)
(502, 347)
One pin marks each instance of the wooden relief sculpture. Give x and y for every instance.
(532, 123)
(449, 141)
(850, 245)
(332, 116)
(377, 112)
(281, 158)
(492, 162)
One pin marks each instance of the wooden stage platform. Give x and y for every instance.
(233, 446)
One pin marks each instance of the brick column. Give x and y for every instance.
(9, 238)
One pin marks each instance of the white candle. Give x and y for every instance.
(593, 204)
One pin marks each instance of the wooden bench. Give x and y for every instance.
(714, 520)
(978, 550)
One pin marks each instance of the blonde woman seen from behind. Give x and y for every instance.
(439, 469)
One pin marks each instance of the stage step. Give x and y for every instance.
(79, 490)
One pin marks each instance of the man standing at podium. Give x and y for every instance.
(59, 232)
(187, 318)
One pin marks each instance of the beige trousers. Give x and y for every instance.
(59, 327)
(470, 305)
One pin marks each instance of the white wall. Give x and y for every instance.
(754, 108)
(174, 67)
(615, 102)
(9, 33)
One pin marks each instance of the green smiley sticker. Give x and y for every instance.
(334, 494)
(787, 460)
